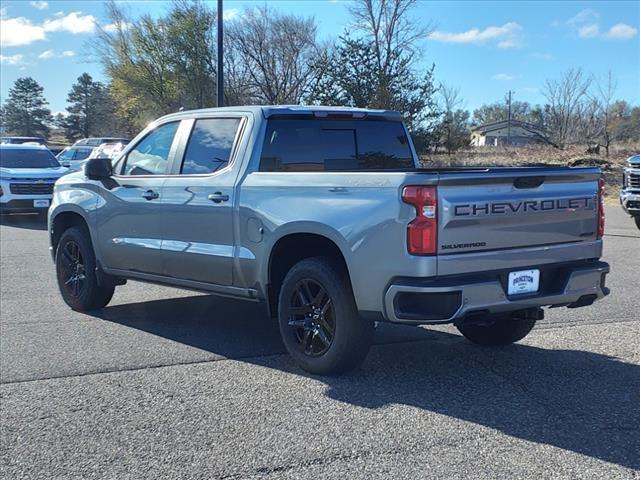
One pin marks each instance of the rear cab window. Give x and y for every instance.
(299, 145)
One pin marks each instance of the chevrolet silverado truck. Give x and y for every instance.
(324, 215)
(630, 193)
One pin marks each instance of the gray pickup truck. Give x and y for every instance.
(630, 193)
(324, 216)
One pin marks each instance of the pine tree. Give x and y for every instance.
(90, 109)
(25, 112)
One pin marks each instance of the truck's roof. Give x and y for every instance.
(282, 110)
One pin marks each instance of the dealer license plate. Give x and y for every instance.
(524, 281)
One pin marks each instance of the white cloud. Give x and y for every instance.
(621, 31)
(40, 4)
(11, 59)
(49, 54)
(19, 31)
(504, 77)
(73, 22)
(112, 27)
(586, 24)
(587, 15)
(231, 14)
(509, 43)
(506, 36)
(589, 31)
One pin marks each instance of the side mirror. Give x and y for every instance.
(98, 169)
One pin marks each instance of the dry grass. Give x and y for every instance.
(540, 156)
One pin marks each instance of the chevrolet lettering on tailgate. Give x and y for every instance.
(502, 208)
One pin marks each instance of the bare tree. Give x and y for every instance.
(565, 98)
(394, 35)
(603, 100)
(451, 101)
(275, 51)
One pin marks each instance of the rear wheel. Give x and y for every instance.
(76, 272)
(500, 332)
(318, 318)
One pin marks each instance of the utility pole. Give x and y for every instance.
(220, 59)
(509, 120)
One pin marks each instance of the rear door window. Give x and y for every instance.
(335, 145)
(210, 145)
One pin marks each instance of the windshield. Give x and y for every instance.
(27, 158)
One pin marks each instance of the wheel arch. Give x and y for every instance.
(61, 222)
(291, 248)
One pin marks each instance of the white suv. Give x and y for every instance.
(27, 175)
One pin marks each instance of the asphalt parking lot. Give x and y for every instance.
(170, 384)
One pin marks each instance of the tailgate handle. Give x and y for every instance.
(528, 182)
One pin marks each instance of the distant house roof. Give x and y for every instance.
(493, 126)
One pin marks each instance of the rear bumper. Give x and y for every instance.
(447, 300)
(630, 201)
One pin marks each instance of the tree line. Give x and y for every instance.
(158, 65)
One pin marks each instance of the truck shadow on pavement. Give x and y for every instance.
(580, 401)
(28, 222)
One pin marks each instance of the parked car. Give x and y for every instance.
(323, 215)
(27, 175)
(96, 141)
(22, 140)
(107, 150)
(630, 193)
(73, 157)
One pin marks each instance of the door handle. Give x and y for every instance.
(218, 197)
(150, 195)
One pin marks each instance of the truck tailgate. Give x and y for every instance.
(500, 209)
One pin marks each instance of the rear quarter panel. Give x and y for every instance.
(362, 213)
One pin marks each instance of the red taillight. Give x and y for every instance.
(422, 232)
(600, 207)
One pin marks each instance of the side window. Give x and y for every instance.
(82, 153)
(66, 155)
(210, 145)
(151, 155)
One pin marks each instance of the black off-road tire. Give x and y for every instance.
(89, 295)
(501, 332)
(637, 219)
(351, 336)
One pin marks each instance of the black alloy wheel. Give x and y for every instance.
(76, 272)
(74, 269)
(319, 321)
(312, 317)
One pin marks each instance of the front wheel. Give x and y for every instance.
(76, 272)
(500, 332)
(318, 318)
(637, 219)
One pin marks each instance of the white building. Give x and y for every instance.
(499, 133)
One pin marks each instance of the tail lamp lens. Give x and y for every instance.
(600, 207)
(422, 231)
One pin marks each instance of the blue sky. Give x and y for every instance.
(482, 48)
